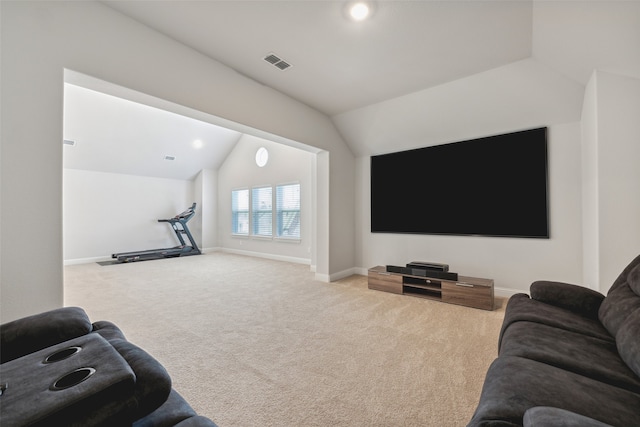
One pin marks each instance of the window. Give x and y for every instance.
(262, 211)
(240, 212)
(288, 210)
(258, 219)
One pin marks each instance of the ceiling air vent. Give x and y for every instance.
(69, 142)
(169, 157)
(277, 62)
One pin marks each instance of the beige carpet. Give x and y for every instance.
(255, 342)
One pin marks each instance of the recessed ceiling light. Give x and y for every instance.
(359, 11)
(198, 143)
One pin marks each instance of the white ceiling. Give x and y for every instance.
(409, 56)
(339, 64)
(105, 128)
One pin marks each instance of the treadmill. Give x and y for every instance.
(179, 226)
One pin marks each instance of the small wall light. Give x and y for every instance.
(262, 156)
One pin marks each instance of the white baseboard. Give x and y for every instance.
(294, 260)
(507, 292)
(344, 273)
(86, 260)
(211, 250)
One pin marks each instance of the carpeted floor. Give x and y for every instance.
(255, 342)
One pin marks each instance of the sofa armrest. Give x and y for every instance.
(578, 299)
(546, 416)
(29, 334)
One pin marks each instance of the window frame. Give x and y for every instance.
(255, 225)
(236, 212)
(277, 211)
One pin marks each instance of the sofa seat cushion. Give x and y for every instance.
(515, 384)
(522, 308)
(592, 357)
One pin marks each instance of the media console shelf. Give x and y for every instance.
(468, 291)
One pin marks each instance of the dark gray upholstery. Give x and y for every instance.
(568, 356)
(592, 357)
(127, 384)
(544, 416)
(176, 412)
(522, 308)
(39, 331)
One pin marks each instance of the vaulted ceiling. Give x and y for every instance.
(349, 69)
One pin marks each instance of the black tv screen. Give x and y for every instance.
(492, 186)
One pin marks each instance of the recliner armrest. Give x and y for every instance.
(153, 383)
(578, 299)
(29, 334)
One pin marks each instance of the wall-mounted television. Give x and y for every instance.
(491, 186)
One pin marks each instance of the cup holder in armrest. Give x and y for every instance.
(62, 354)
(72, 378)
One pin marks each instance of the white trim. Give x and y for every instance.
(322, 278)
(507, 292)
(86, 260)
(268, 256)
(361, 271)
(344, 273)
(210, 250)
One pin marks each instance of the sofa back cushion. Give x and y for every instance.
(628, 342)
(622, 299)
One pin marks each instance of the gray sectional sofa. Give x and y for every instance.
(59, 369)
(568, 356)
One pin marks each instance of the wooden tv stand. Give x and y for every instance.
(468, 291)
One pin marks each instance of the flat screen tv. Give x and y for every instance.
(492, 186)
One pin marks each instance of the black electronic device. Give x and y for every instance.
(179, 225)
(491, 186)
(429, 265)
(447, 275)
(394, 269)
(423, 272)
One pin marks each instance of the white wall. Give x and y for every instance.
(286, 165)
(590, 174)
(513, 263)
(206, 195)
(41, 39)
(612, 131)
(106, 213)
(521, 95)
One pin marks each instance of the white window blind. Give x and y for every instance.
(261, 211)
(288, 210)
(240, 212)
